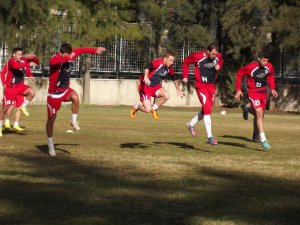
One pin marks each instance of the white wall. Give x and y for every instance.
(124, 92)
(111, 92)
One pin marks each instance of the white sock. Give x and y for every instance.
(1, 123)
(136, 106)
(195, 119)
(155, 107)
(25, 103)
(262, 137)
(16, 123)
(50, 141)
(74, 117)
(7, 121)
(207, 123)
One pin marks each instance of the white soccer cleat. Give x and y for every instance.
(51, 150)
(75, 125)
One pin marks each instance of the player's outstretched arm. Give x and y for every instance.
(100, 50)
(238, 95)
(78, 51)
(274, 93)
(179, 92)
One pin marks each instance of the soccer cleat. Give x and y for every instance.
(17, 128)
(7, 126)
(155, 114)
(256, 138)
(265, 145)
(75, 125)
(212, 141)
(51, 149)
(191, 129)
(245, 112)
(24, 111)
(133, 112)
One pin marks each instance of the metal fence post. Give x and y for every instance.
(118, 56)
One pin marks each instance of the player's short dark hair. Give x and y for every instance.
(17, 49)
(170, 53)
(264, 54)
(212, 46)
(66, 48)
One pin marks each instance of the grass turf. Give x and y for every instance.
(145, 172)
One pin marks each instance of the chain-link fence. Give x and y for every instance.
(126, 59)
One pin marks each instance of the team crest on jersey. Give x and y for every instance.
(261, 75)
(209, 65)
(164, 74)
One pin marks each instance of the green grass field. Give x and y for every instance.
(118, 171)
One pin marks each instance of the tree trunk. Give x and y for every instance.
(86, 80)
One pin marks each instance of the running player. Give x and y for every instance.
(6, 77)
(150, 85)
(14, 85)
(259, 74)
(208, 64)
(59, 87)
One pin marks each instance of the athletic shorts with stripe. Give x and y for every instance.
(206, 97)
(14, 94)
(54, 101)
(149, 92)
(258, 99)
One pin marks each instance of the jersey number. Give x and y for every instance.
(256, 103)
(204, 79)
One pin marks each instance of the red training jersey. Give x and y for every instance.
(157, 72)
(60, 69)
(204, 70)
(14, 71)
(258, 77)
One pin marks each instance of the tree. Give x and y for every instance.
(188, 25)
(285, 34)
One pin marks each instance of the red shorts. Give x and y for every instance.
(11, 94)
(19, 100)
(258, 99)
(206, 96)
(54, 101)
(149, 92)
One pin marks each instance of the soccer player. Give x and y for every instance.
(6, 77)
(150, 85)
(208, 64)
(14, 85)
(59, 87)
(259, 74)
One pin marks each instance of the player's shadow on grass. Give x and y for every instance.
(237, 145)
(134, 145)
(237, 137)
(21, 133)
(44, 148)
(180, 145)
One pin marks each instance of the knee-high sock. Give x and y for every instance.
(195, 119)
(207, 123)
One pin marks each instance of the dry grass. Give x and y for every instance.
(144, 172)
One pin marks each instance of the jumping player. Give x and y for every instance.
(6, 78)
(208, 64)
(150, 85)
(59, 87)
(259, 74)
(14, 84)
